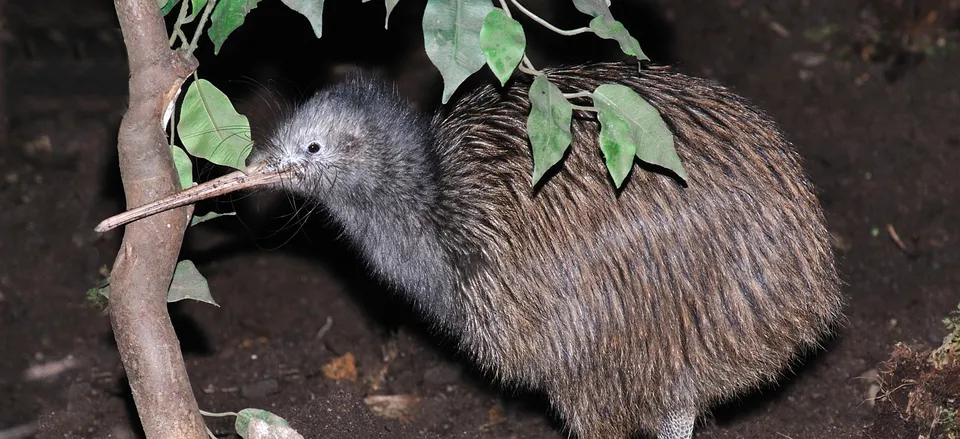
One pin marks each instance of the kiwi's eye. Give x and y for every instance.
(313, 148)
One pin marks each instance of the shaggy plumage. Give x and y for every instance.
(633, 310)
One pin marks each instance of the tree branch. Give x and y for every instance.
(144, 268)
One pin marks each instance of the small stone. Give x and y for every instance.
(809, 59)
(39, 146)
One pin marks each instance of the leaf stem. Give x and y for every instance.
(506, 8)
(585, 108)
(547, 25)
(180, 22)
(217, 415)
(525, 67)
(582, 94)
(199, 30)
(183, 36)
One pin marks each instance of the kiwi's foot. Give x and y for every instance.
(678, 425)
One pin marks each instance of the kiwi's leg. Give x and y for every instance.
(678, 425)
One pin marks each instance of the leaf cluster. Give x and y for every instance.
(460, 37)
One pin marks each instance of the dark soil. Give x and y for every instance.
(865, 92)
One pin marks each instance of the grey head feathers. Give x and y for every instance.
(369, 160)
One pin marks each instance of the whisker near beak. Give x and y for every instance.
(255, 175)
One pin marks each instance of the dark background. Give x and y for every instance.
(869, 101)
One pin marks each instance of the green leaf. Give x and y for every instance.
(548, 125)
(451, 37)
(227, 16)
(242, 424)
(606, 27)
(618, 149)
(188, 283)
(98, 297)
(503, 42)
(594, 8)
(197, 219)
(312, 9)
(196, 6)
(167, 5)
(390, 5)
(629, 126)
(184, 166)
(211, 128)
(102, 290)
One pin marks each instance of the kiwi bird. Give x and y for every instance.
(633, 310)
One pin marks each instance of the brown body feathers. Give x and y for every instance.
(628, 308)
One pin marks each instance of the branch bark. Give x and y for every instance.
(142, 272)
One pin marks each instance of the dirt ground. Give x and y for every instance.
(865, 92)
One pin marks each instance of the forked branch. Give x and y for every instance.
(148, 254)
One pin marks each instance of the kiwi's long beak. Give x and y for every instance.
(256, 175)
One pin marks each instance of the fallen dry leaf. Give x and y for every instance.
(495, 415)
(342, 368)
(400, 407)
(39, 146)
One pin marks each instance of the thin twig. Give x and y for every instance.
(183, 36)
(525, 62)
(547, 25)
(895, 237)
(176, 26)
(581, 94)
(216, 415)
(506, 9)
(528, 69)
(323, 330)
(200, 25)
